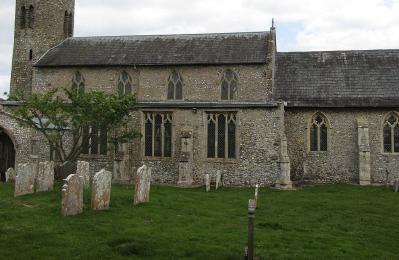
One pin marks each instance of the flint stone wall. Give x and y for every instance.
(340, 162)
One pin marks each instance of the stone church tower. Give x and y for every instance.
(39, 26)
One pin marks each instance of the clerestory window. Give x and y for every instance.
(318, 133)
(175, 85)
(229, 85)
(158, 134)
(78, 82)
(124, 84)
(391, 133)
(221, 135)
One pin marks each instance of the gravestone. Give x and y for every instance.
(25, 180)
(396, 185)
(218, 179)
(207, 182)
(101, 190)
(142, 185)
(10, 175)
(83, 170)
(72, 195)
(364, 152)
(45, 177)
(64, 170)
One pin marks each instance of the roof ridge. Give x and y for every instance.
(337, 51)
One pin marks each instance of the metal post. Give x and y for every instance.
(251, 229)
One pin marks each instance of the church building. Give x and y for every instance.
(227, 102)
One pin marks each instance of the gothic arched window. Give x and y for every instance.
(221, 135)
(229, 85)
(318, 133)
(30, 16)
(78, 82)
(124, 84)
(23, 18)
(175, 85)
(391, 133)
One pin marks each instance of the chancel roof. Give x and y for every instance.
(367, 78)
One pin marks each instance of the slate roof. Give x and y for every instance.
(338, 78)
(147, 50)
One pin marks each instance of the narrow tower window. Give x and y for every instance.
(30, 55)
(23, 17)
(31, 16)
(68, 24)
(229, 85)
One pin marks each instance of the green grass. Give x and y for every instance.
(335, 221)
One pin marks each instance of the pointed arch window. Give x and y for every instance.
(78, 82)
(318, 133)
(125, 86)
(175, 85)
(158, 134)
(221, 135)
(229, 85)
(391, 133)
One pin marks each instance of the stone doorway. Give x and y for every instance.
(7, 154)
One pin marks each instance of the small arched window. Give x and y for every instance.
(125, 86)
(78, 82)
(31, 16)
(229, 85)
(318, 133)
(23, 18)
(175, 85)
(391, 133)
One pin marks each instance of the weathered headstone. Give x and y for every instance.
(45, 177)
(218, 179)
(101, 190)
(25, 180)
(142, 185)
(207, 182)
(72, 195)
(364, 152)
(10, 175)
(83, 170)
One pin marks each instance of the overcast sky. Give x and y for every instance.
(301, 25)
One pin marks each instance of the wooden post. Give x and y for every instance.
(251, 229)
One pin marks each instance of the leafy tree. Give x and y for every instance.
(61, 115)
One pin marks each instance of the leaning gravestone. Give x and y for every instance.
(10, 175)
(142, 185)
(72, 195)
(218, 179)
(25, 180)
(207, 182)
(101, 190)
(83, 170)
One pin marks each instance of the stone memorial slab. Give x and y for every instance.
(72, 195)
(10, 175)
(207, 182)
(218, 179)
(25, 180)
(45, 177)
(101, 190)
(142, 185)
(83, 170)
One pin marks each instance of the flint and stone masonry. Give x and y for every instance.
(270, 96)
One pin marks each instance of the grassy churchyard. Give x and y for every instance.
(334, 221)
